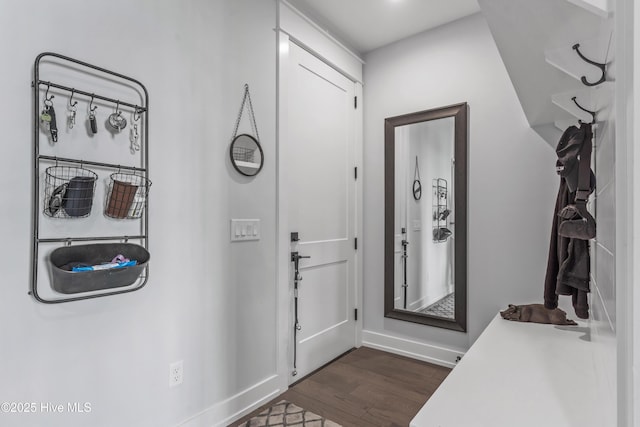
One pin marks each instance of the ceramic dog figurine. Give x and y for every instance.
(536, 313)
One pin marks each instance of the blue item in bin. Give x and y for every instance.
(106, 266)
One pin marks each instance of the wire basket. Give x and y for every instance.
(127, 196)
(243, 154)
(69, 191)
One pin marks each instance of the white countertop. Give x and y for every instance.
(521, 375)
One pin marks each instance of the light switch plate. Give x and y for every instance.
(245, 229)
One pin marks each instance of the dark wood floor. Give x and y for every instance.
(366, 387)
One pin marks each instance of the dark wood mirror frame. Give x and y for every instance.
(459, 112)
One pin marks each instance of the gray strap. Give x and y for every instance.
(584, 168)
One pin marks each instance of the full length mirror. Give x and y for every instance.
(426, 217)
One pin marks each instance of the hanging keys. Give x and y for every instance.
(93, 123)
(45, 116)
(133, 132)
(133, 137)
(53, 127)
(48, 116)
(71, 119)
(116, 121)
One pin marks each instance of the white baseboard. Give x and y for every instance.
(418, 304)
(409, 348)
(229, 410)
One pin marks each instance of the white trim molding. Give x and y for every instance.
(322, 31)
(413, 349)
(308, 35)
(229, 410)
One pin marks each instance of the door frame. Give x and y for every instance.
(284, 304)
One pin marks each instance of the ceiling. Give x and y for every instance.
(364, 25)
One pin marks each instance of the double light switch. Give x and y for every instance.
(245, 229)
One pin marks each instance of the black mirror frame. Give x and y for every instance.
(459, 112)
(233, 161)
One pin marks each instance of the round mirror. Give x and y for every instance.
(246, 155)
(417, 189)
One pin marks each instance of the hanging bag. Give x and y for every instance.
(577, 222)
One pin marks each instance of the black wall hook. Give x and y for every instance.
(46, 95)
(72, 103)
(603, 67)
(91, 107)
(593, 113)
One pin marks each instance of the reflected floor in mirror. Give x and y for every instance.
(442, 308)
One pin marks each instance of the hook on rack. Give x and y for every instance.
(72, 103)
(601, 66)
(136, 114)
(91, 107)
(593, 113)
(48, 98)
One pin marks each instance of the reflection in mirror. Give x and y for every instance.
(425, 217)
(424, 227)
(246, 155)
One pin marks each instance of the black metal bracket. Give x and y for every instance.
(603, 67)
(593, 113)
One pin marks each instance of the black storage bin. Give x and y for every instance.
(66, 281)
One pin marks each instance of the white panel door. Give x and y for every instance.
(321, 193)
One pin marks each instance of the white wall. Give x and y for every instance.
(512, 180)
(602, 301)
(627, 179)
(208, 302)
(437, 139)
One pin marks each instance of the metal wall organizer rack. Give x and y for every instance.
(440, 210)
(63, 64)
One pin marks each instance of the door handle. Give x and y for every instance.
(295, 256)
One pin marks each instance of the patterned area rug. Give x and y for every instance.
(443, 308)
(286, 414)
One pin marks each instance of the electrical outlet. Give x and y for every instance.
(175, 373)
